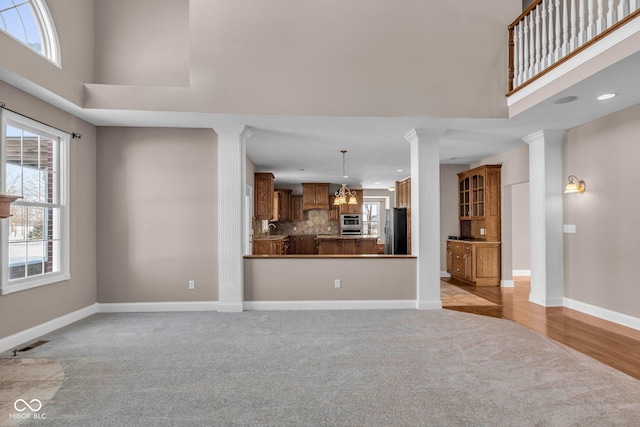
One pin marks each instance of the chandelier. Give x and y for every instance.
(344, 195)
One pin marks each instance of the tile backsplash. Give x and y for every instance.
(316, 221)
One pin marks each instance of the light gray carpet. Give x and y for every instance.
(327, 368)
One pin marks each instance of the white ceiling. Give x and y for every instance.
(305, 148)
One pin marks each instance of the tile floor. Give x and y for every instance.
(21, 381)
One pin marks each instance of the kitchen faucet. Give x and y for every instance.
(269, 226)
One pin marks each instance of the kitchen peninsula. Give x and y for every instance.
(309, 244)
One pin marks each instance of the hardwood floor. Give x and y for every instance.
(612, 344)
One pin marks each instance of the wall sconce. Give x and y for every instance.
(573, 187)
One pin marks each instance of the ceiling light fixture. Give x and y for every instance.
(344, 195)
(605, 96)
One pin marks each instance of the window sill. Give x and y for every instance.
(25, 284)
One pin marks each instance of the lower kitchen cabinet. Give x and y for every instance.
(276, 246)
(476, 263)
(347, 246)
(302, 244)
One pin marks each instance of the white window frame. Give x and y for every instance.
(9, 286)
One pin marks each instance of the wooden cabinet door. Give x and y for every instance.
(322, 196)
(348, 246)
(309, 244)
(263, 195)
(328, 247)
(283, 210)
(477, 194)
(464, 197)
(334, 211)
(468, 263)
(449, 257)
(276, 206)
(352, 209)
(367, 246)
(315, 196)
(297, 214)
(262, 247)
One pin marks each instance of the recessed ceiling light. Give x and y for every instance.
(345, 176)
(376, 183)
(399, 170)
(455, 158)
(565, 100)
(301, 169)
(606, 96)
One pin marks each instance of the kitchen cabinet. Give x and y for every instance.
(334, 211)
(352, 209)
(479, 203)
(302, 244)
(403, 193)
(315, 196)
(336, 245)
(263, 195)
(476, 263)
(297, 214)
(276, 245)
(282, 205)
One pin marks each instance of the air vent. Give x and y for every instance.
(31, 346)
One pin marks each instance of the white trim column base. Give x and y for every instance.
(507, 283)
(230, 307)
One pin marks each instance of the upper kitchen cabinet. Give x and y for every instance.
(352, 209)
(263, 195)
(282, 205)
(479, 203)
(403, 193)
(315, 196)
(297, 214)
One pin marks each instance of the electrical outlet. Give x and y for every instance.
(192, 284)
(337, 283)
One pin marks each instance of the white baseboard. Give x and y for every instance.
(504, 283)
(230, 307)
(444, 274)
(330, 305)
(428, 305)
(559, 302)
(521, 273)
(152, 307)
(603, 313)
(28, 335)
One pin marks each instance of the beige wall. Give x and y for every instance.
(304, 279)
(25, 309)
(142, 42)
(520, 226)
(601, 258)
(349, 57)
(157, 220)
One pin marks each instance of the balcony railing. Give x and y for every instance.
(551, 31)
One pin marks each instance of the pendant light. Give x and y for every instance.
(344, 195)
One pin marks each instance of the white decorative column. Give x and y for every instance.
(545, 186)
(231, 212)
(425, 215)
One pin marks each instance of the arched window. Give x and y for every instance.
(29, 22)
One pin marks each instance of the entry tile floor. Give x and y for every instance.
(26, 385)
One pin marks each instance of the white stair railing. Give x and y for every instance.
(549, 30)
